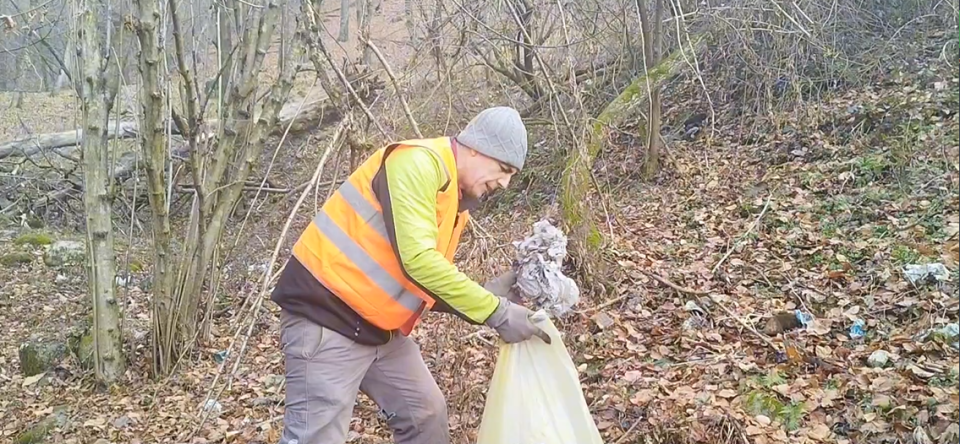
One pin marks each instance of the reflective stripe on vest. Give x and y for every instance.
(355, 253)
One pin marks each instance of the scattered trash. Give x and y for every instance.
(692, 307)
(946, 333)
(857, 330)
(805, 319)
(919, 274)
(697, 319)
(603, 320)
(220, 356)
(878, 359)
(539, 278)
(213, 406)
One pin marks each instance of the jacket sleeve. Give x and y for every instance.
(407, 188)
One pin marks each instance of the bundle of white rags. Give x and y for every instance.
(539, 279)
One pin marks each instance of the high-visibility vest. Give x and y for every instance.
(346, 246)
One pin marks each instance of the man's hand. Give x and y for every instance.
(503, 286)
(512, 323)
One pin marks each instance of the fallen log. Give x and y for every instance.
(34, 144)
(316, 111)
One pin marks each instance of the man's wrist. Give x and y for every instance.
(498, 313)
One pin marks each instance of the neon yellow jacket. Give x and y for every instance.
(413, 178)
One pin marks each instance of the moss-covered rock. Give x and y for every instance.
(15, 259)
(65, 252)
(33, 239)
(38, 433)
(80, 343)
(38, 356)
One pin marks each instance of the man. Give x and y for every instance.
(373, 261)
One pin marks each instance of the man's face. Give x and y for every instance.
(481, 175)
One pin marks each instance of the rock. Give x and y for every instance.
(7, 235)
(272, 381)
(38, 356)
(65, 252)
(122, 422)
(38, 433)
(16, 259)
(878, 359)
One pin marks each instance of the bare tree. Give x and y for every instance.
(651, 36)
(220, 158)
(345, 20)
(97, 83)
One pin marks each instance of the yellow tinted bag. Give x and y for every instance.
(535, 395)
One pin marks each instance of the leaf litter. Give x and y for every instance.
(825, 233)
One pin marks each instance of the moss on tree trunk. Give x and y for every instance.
(575, 183)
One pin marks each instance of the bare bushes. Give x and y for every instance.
(765, 55)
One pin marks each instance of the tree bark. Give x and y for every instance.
(345, 20)
(154, 155)
(575, 181)
(651, 50)
(97, 86)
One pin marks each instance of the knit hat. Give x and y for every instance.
(499, 133)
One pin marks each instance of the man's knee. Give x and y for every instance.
(435, 410)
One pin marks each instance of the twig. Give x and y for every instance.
(629, 431)
(666, 282)
(396, 85)
(744, 235)
(477, 335)
(762, 337)
(609, 303)
(193, 189)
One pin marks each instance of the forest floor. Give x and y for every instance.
(820, 217)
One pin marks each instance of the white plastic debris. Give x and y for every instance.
(920, 273)
(213, 406)
(878, 359)
(539, 276)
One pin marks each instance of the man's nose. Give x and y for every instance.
(504, 182)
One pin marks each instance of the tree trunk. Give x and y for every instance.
(154, 160)
(652, 35)
(97, 85)
(364, 17)
(345, 20)
(575, 181)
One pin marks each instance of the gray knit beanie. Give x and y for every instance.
(499, 133)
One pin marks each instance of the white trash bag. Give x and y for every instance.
(535, 395)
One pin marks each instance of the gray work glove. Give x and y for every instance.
(503, 285)
(512, 323)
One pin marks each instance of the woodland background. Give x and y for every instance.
(718, 166)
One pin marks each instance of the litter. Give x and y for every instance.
(535, 395)
(857, 329)
(539, 276)
(919, 274)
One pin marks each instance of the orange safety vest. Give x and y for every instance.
(346, 246)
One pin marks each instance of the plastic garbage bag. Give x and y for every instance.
(535, 395)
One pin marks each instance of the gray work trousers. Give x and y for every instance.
(325, 370)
